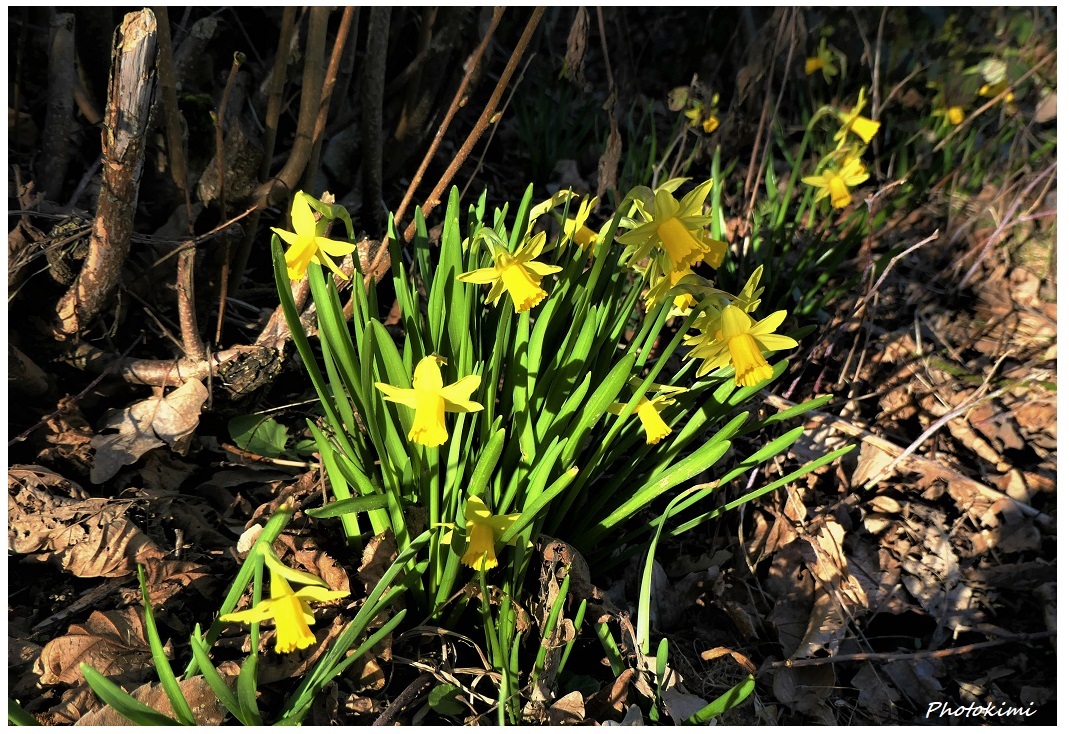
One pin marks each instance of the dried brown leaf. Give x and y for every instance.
(568, 710)
(158, 421)
(112, 642)
(88, 538)
(206, 707)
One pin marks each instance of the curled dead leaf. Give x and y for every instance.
(138, 428)
(112, 642)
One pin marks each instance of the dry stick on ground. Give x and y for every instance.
(278, 188)
(129, 95)
(59, 115)
(913, 656)
(910, 463)
(220, 163)
(371, 91)
(192, 345)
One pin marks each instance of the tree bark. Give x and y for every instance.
(123, 138)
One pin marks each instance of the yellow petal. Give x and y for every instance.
(428, 374)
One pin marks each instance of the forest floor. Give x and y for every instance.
(914, 581)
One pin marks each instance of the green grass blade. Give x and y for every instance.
(182, 711)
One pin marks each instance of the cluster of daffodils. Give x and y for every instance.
(842, 170)
(665, 239)
(950, 107)
(698, 105)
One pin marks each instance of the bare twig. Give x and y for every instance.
(129, 95)
(374, 80)
(220, 156)
(489, 113)
(336, 56)
(405, 697)
(887, 657)
(279, 186)
(458, 101)
(187, 312)
(278, 84)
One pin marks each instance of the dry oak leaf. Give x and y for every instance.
(89, 538)
(207, 709)
(112, 642)
(146, 425)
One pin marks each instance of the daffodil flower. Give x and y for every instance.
(306, 243)
(649, 411)
(837, 181)
(575, 229)
(430, 398)
(953, 115)
(289, 610)
(854, 122)
(823, 62)
(515, 272)
(732, 336)
(673, 226)
(484, 529)
(994, 90)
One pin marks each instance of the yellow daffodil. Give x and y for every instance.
(994, 90)
(673, 226)
(732, 336)
(289, 610)
(649, 411)
(837, 181)
(854, 122)
(306, 243)
(823, 62)
(515, 272)
(953, 115)
(575, 229)
(430, 399)
(484, 529)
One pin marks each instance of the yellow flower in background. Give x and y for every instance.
(575, 229)
(854, 122)
(289, 610)
(836, 182)
(823, 62)
(484, 529)
(515, 272)
(306, 243)
(733, 337)
(994, 90)
(430, 398)
(953, 115)
(673, 226)
(649, 411)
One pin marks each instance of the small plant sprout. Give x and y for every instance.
(307, 243)
(431, 399)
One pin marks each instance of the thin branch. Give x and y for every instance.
(488, 115)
